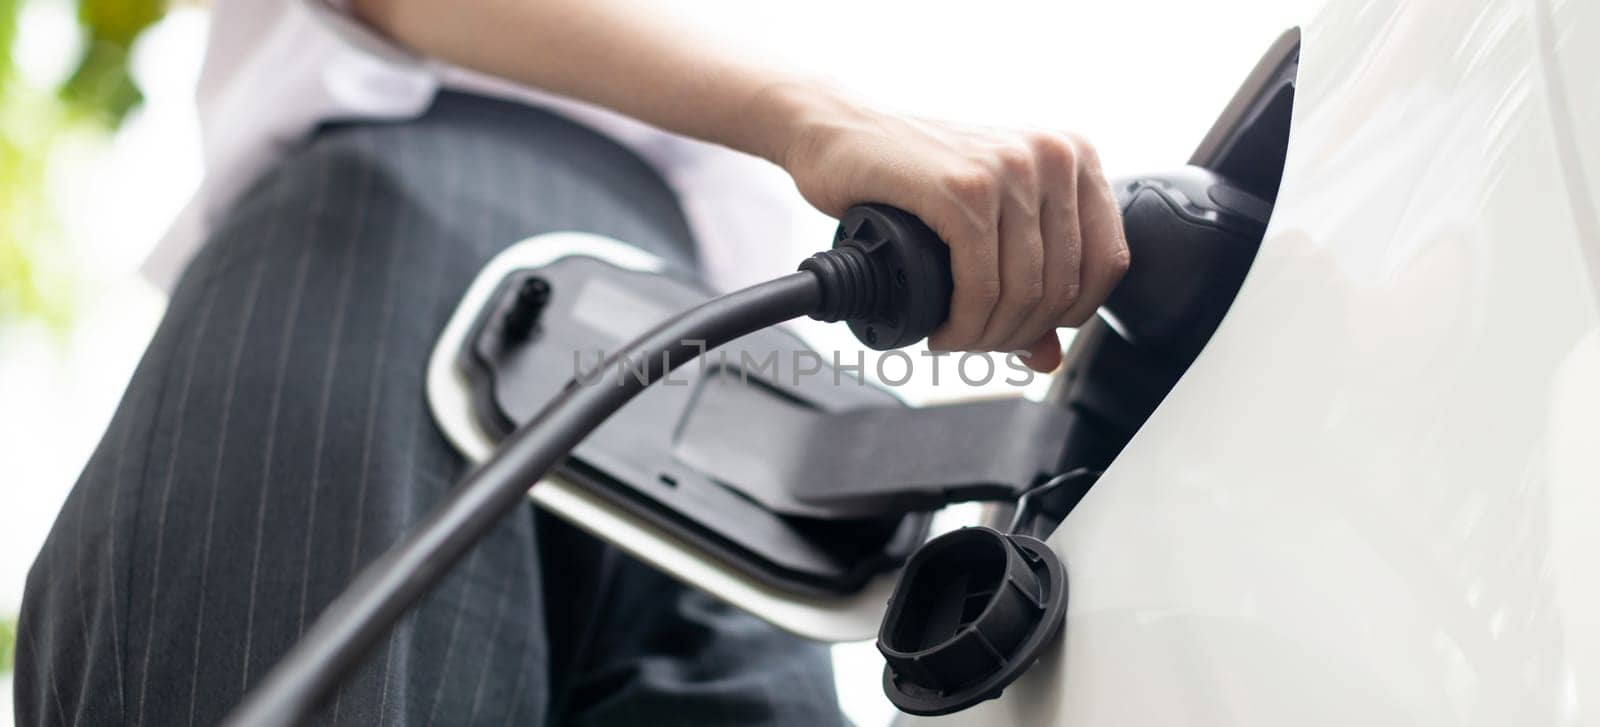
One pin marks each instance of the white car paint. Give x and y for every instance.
(1375, 498)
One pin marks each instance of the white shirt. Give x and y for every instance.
(275, 69)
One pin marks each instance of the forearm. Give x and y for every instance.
(620, 55)
(1034, 232)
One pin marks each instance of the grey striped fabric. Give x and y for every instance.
(275, 438)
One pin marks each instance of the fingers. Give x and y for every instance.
(1060, 234)
(969, 223)
(1022, 251)
(1035, 241)
(1044, 354)
(1105, 248)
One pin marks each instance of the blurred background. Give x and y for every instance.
(99, 149)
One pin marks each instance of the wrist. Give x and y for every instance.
(783, 113)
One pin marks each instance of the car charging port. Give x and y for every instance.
(972, 611)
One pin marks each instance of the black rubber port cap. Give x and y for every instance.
(972, 611)
(887, 277)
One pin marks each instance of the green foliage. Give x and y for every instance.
(8, 32)
(95, 98)
(102, 87)
(33, 281)
(8, 644)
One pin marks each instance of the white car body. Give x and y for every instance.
(1374, 499)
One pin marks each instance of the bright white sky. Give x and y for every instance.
(1143, 79)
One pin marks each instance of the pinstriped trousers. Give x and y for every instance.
(275, 438)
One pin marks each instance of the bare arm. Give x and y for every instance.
(1035, 237)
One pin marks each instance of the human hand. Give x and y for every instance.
(1034, 231)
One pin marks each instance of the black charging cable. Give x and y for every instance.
(887, 275)
(1041, 508)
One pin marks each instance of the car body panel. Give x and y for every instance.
(1373, 499)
